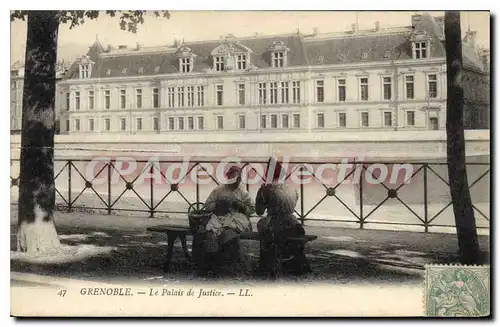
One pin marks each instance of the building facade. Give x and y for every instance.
(16, 96)
(378, 79)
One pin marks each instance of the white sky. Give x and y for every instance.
(200, 25)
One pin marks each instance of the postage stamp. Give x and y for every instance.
(457, 291)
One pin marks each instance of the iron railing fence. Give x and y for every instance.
(358, 209)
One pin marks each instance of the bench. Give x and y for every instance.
(173, 232)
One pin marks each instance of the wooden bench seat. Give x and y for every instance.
(173, 232)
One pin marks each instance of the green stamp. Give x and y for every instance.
(457, 291)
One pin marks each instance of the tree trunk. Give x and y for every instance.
(37, 233)
(457, 171)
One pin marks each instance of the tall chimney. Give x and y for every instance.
(377, 26)
(354, 27)
(415, 19)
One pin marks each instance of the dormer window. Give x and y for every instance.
(85, 67)
(387, 55)
(141, 70)
(219, 63)
(124, 71)
(420, 42)
(420, 50)
(186, 65)
(230, 55)
(241, 62)
(108, 72)
(186, 59)
(364, 55)
(279, 54)
(341, 57)
(157, 69)
(278, 59)
(85, 71)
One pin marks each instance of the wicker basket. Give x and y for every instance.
(197, 217)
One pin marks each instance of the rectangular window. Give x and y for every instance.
(77, 100)
(107, 99)
(410, 87)
(190, 122)
(274, 121)
(284, 92)
(284, 121)
(68, 105)
(180, 96)
(180, 123)
(296, 120)
(138, 124)
(171, 97)
(420, 50)
(262, 93)
(241, 61)
(200, 96)
(220, 95)
(185, 65)
(365, 119)
(241, 94)
(220, 122)
(242, 122)
(363, 82)
(342, 90)
(433, 86)
(320, 91)
(156, 97)
(156, 123)
(67, 126)
(387, 118)
(123, 99)
(190, 96)
(387, 88)
(273, 86)
(138, 98)
(278, 59)
(201, 122)
(77, 124)
(263, 121)
(296, 91)
(123, 124)
(91, 125)
(171, 123)
(321, 120)
(410, 118)
(342, 119)
(219, 64)
(107, 124)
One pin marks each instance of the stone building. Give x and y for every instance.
(377, 79)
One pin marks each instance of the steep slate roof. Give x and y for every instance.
(168, 62)
(352, 47)
(305, 50)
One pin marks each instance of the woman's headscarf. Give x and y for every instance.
(233, 172)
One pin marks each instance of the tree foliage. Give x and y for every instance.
(129, 19)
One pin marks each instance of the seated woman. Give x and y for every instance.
(231, 207)
(279, 200)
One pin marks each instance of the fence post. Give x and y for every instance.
(151, 189)
(426, 209)
(197, 185)
(70, 204)
(362, 219)
(301, 169)
(109, 188)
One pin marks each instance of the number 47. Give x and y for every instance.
(61, 293)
